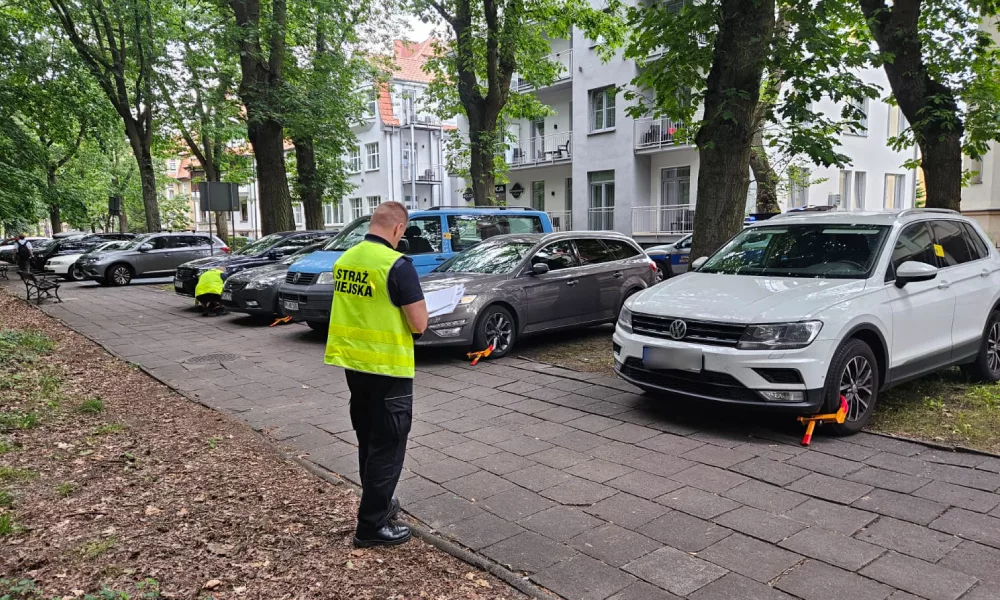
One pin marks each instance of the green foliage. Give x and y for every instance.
(175, 213)
(6, 499)
(91, 406)
(109, 429)
(95, 548)
(11, 420)
(6, 446)
(7, 526)
(13, 474)
(237, 242)
(23, 345)
(65, 489)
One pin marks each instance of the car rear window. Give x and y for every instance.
(468, 230)
(621, 249)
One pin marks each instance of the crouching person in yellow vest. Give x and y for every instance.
(377, 308)
(208, 292)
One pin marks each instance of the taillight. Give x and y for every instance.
(652, 265)
(225, 249)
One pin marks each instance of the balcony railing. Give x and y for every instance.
(653, 133)
(678, 218)
(601, 219)
(542, 150)
(564, 66)
(562, 220)
(425, 173)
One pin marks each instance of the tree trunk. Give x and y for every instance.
(266, 137)
(764, 175)
(147, 176)
(122, 221)
(724, 140)
(55, 218)
(307, 182)
(222, 226)
(481, 165)
(928, 105)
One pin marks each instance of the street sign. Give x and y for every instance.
(500, 191)
(517, 190)
(468, 194)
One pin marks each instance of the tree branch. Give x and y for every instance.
(76, 146)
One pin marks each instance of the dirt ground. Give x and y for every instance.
(109, 480)
(942, 408)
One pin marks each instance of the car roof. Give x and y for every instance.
(536, 238)
(835, 217)
(498, 210)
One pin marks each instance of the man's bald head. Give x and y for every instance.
(389, 222)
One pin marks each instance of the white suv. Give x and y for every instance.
(800, 309)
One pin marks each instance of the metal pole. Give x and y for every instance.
(413, 153)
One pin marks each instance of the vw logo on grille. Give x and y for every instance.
(295, 278)
(678, 329)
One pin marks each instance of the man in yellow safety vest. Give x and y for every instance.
(208, 291)
(377, 308)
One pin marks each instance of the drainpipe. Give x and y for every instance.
(392, 185)
(413, 150)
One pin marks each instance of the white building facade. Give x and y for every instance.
(981, 197)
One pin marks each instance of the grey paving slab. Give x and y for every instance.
(578, 492)
(684, 532)
(443, 510)
(907, 538)
(613, 545)
(759, 524)
(901, 506)
(482, 530)
(969, 525)
(627, 510)
(833, 548)
(598, 470)
(516, 503)
(830, 488)
(771, 471)
(709, 479)
(751, 558)
(478, 485)
(675, 571)
(640, 590)
(765, 496)
(717, 456)
(644, 485)
(919, 577)
(560, 523)
(960, 496)
(528, 552)
(734, 586)
(584, 578)
(974, 559)
(890, 480)
(814, 580)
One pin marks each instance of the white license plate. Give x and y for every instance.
(228, 296)
(683, 359)
(178, 285)
(290, 305)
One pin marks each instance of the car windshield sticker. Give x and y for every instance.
(356, 282)
(939, 250)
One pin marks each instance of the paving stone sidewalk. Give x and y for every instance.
(590, 489)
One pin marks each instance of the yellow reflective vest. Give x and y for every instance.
(210, 282)
(368, 332)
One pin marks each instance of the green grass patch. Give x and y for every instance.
(11, 381)
(6, 446)
(91, 406)
(10, 420)
(23, 345)
(65, 489)
(7, 525)
(109, 429)
(13, 474)
(6, 499)
(942, 408)
(95, 548)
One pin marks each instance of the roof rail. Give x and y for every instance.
(479, 208)
(909, 211)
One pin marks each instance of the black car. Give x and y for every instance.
(74, 244)
(267, 250)
(255, 291)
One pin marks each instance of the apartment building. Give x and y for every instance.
(981, 197)
(591, 166)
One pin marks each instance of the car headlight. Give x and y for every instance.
(625, 320)
(780, 336)
(263, 282)
(467, 299)
(325, 278)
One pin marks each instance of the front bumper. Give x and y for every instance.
(94, 270)
(456, 328)
(57, 268)
(306, 302)
(729, 375)
(185, 281)
(250, 301)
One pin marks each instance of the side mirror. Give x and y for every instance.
(912, 270)
(539, 268)
(697, 264)
(275, 254)
(145, 247)
(403, 246)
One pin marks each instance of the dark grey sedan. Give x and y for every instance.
(522, 284)
(255, 291)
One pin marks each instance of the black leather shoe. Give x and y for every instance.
(393, 508)
(392, 534)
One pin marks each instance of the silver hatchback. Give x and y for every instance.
(522, 284)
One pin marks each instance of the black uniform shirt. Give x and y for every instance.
(403, 283)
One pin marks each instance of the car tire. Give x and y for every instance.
(495, 326)
(317, 326)
(74, 273)
(853, 373)
(120, 274)
(986, 367)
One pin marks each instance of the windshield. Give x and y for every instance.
(135, 242)
(293, 258)
(487, 257)
(107, 246)
(260, 245)
(350, 237)
(818, 250)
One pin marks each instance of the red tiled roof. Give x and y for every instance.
(410, 59)
(385, 106)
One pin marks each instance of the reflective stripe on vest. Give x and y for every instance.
(368, 332)
(210, 282)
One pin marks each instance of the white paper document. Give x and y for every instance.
(443, 301)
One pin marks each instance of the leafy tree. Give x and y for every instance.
(491, 40)
(120, 41)
(944, 71)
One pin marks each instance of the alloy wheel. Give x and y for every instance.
(121, 275)
(499, 332)
(993, 348)
(856, 385)
(75, 273)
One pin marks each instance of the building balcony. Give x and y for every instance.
(653, 134)
(541, 151)
(423, 173)
(601, 218)
(675, 219)
(564, 65)
(562, 220)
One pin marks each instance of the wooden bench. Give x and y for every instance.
(40, 287)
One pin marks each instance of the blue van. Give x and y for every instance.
(431, 237)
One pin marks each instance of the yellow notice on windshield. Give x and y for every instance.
(939, 250)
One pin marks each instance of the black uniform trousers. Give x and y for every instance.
(381, 414)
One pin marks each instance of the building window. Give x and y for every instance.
(333, 213)
(170, 193)
(371, 103)
(602, 109)
(895, 188)
(538, 195)
(844, 199)
(373, 202)
(602, 200)
(408, 202)
(798, 186)
(297, 214)
(244, 213)
(354, 160)
(896, 121)
(976, 170)
(356, 208)
(860, 186)
(371, 153)
(172, 166)
(862, 129)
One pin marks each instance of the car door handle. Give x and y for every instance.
(440, 258)
(943, 285)
(985, 273)
(617, 274)
(572, 282)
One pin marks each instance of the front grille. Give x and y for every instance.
(300, 298)
(235, 286)
(780, 375)
(698, 332)
(303, 278)
(185, 273)
(709, 384)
